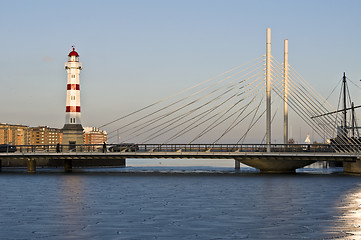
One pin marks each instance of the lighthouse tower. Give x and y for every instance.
(73, 130)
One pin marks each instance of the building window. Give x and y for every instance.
(73, 76)
(72, 97)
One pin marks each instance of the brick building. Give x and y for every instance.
(17, 134)
(14, 134)
(44, 135)
(93, 135)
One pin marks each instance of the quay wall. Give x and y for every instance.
(54, 163)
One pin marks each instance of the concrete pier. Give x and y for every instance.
(237, 164)
(352, 166)
(31, 165)
(68, 165)
(276, 164)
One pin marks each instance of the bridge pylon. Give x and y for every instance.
(268, 89)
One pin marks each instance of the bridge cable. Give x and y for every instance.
(306, 120)
(182, 116)
(160, 117)
(183, 91)
(210, 127)
(215, 124)
(181, 133)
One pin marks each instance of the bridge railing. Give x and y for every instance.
(132, 147)
(51, 148)
(233, 148)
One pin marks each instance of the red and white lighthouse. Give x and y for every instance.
(73, 67)
(73, 130)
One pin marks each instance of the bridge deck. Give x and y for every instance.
(318, 156)
(283, 158)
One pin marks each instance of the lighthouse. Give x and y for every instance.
(73, 130)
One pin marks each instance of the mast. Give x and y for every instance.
(342, 131)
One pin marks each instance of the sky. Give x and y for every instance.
(137, 52)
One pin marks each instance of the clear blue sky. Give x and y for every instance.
(136, 52)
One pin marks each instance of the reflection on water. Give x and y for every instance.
(350, 209)
(71, 196)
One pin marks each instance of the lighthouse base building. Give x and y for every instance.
(73, 134)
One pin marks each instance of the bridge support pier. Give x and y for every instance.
(68, 165)
(276, 164)
(352, 166)
(237, 164)
(31, 165)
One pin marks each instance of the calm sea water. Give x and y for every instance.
(177, 202)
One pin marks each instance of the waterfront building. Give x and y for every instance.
(93, 135)
(44, 135)
(14, 134)
(17, 134)
(73, 130)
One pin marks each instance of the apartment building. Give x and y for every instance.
(44, 135)
(14, 134)
(17, 134)
(93, 135)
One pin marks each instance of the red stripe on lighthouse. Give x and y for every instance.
(73, 109)
(73, 87)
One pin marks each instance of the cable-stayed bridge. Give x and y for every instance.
(231, 107)
(218, 117)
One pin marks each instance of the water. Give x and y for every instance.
(176, 202)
